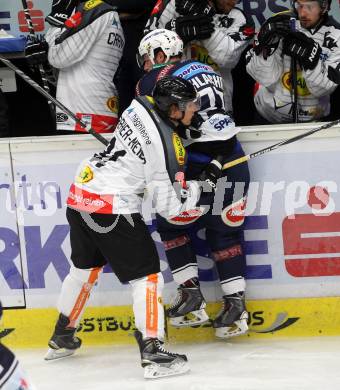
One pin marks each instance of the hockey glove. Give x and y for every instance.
(192, 131)
(192, 27)
(194, 7)
(270, 34)
(274, 28)
(196, 121)
(212, 172)
(61, 11)
(188, 132)
(334, 74)
(36, 53)
(303, 48)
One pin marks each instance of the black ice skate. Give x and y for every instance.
(157, 361)
(232, 319)
(63, 341)
(188, 308)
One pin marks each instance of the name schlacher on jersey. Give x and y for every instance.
(203, 79)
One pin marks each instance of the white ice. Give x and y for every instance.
(247, 364)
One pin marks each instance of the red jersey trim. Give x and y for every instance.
(89, 202)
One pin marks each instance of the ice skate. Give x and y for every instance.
(63, 342)
(188, 308)
(232, 319)
(157, 361)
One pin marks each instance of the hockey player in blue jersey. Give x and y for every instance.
(210, 142)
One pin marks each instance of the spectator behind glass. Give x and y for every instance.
(85, 42)
(215, 32)
(314, 44)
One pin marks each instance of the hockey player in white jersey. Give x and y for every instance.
(314, 43)
(215, 32)
(85, 43)
(103, 211)
(12, 376)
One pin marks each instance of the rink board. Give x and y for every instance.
(292, 241)
(114, 325)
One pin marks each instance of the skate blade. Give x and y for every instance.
(193, 318)
(237, 329)
(155, 371)
(54, 354)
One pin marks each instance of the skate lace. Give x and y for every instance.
(178, 299)
(160, 348)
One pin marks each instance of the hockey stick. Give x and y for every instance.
(279, 144)
(41, 90)
(40, 67)
(293, 74)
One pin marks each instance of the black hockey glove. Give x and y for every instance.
(36, 53)
(61, 11)
(303, 48)
(192, 27)
(274, 28)
(192, 131)
(194, 7)
(334, 74)
(270, 34)
(188, 132)
(212, 172)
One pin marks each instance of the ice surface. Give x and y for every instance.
(239, 364)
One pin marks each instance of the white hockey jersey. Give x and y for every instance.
(273, 97)
(137, 159)
(12, 376)
(222, 51)
(87, 56)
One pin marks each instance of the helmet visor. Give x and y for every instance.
(192, 105)
(309, 6)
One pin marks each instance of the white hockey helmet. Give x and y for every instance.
(161, 39)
